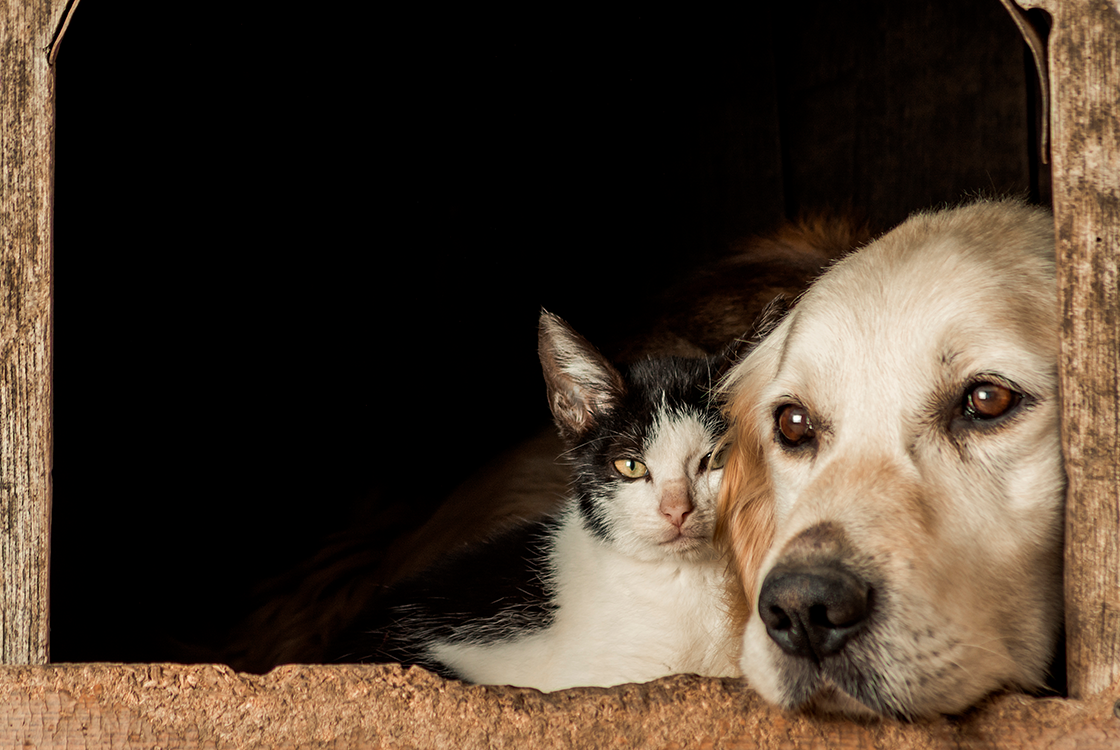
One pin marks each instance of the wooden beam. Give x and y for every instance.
(358, 706)
(27, 30)
(1084, 49)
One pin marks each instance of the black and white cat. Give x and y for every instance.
(623, 584)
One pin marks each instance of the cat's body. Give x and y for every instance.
(611, 619)
(623, 584)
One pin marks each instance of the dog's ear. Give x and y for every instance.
(582, 384)
(745, 519)
(771, 316)
(732, 355)
(774, 313)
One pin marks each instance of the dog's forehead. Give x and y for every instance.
(921, 304)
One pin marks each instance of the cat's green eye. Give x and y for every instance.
(630, 468)
(718, 459)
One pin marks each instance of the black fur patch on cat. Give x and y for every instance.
(487, 593)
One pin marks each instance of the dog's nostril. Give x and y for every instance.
(846, 608)
(778, 619)
(818, 616)
(788, 632)
(813, 611)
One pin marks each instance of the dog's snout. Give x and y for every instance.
(812, 611)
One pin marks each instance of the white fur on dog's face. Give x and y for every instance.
(951, 520)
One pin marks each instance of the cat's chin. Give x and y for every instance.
(688, 547)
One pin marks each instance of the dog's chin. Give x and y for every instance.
(834, 686)
(818, 692)
(831, 700)
(837, 687)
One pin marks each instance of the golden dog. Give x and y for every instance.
(894, 494)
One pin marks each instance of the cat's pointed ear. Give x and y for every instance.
(582, 384)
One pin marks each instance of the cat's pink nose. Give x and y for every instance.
(676, 503)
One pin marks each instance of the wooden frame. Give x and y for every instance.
(28, 31)
(1085, 81)
(125, 706)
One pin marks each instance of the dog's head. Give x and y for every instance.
(893, 495)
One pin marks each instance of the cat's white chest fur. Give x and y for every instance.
(619, 620)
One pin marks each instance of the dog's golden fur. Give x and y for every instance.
(950, 518)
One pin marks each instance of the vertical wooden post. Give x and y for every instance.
(26, 183)
(1084, 53)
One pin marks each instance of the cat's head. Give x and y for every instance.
(642, 441)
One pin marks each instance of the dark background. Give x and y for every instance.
(299, 259)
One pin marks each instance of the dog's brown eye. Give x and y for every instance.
(989, 401)
(794, 425)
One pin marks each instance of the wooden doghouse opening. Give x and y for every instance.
(299, 263)
(298, 288)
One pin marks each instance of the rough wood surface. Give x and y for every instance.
(26, 182)
(176, 706)
(1084, 50)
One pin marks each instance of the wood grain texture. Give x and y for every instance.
(1084, 48)
(26, 183)
(353, 706)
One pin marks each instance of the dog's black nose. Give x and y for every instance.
(812, 611)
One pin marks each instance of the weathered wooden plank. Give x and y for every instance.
(207, 706)
(27, 30)
(1084, 49)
